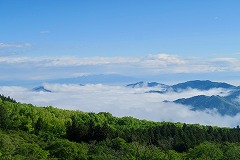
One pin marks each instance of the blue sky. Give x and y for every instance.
(149, 37)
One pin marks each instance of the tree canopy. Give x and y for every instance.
(30, 132)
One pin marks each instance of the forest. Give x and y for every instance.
(30, 132)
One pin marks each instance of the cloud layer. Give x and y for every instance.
(149, 65)
(157, 61)
(122, 101)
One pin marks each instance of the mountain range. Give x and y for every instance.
(95, 79)
(224, 105)
(110, 79)
(147, 84)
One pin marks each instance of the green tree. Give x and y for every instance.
(206, 150)
(64, 149)
(231, 151)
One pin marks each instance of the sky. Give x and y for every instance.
(120, 28)
(45, 39)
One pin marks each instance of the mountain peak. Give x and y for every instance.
(40, 89)
(143, 84)
(202, 85)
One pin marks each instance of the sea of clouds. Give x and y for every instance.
(123, 101)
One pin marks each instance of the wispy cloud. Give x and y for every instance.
(227, 60)
(14, 45)
(155, 60)
(68, 61)
(150, 61)
(227, 64)
(147, 65)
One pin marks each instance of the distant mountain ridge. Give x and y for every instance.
(202, 85)
(196, 84)
(202, 102)
(227, 105)
(146, 84)
(95, 79)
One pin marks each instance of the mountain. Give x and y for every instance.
(40, 89)
(233, 95)
(95, 79)
(227, 105)
(196, 84)
(223, 105)
(147, 84)
(202, 85)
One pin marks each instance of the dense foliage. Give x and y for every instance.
(29, 132)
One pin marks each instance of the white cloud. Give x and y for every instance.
(16, 60)
(171, 96)
(148, 61)
(162, 60)
(67, 61)
(122, 101)
(14, 45)
(74, 61)
(229, 60)
(136, 66)
(227, 64)
(11, 89)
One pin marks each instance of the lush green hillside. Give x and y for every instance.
(29, 132)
